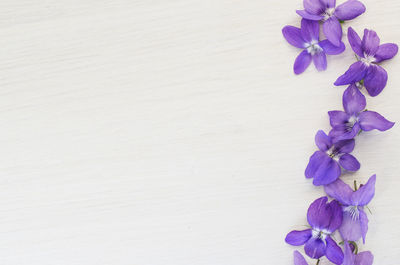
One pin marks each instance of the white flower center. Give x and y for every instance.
(313, 47)
(368, 59)
(353, 211)
(352, 121)
(328, 13)
(320, 234)
(359, 85)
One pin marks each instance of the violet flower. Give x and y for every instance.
(355, 220)
(324, 219)
(369, 53)
(326, 11)
(362, 258)
(347, 124)
(299, 259)
(324, 165)
(307, 38)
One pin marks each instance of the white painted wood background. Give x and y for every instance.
(173, 132)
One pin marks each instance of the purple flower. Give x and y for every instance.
(347, 124)
(299, 259)
(369, 53)
(355, 221)
(325, 10)
(362, 258)
(324, 219)
(324, 165)
(307, 38)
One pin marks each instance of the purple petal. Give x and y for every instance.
(333, 252)
(293, 36)
(349, 162)
(314, 163)
(386, 51)
(340, 133)
(370, 42)
(319, 213)
(333, 30)
(314, 7)
(355, 73)
(363, 224)
(302, 62)
(331, 49)
(323, 141)
(353, 100)
(339, 191)
(298, 238)
(336, 216)
(351, 227)
(315, 248)
(364, 258)
(320, 61)
(328, 171)
(338, 117)
(370, 120)
(375, 80)
(349, 10)
(306, 15)
(355, 42)
(349, 257)
(365, 193)
(299, 259)
(328, 3)
(310, 30)
(345, 146)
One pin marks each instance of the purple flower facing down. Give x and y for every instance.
(369, 53)
(347, 124)
(355, 221)
(362, 258)
(324, 219)
(326, 11)
(307, 38)
(325, 165)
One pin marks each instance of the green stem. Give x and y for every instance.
(355, 185)
(318, 261)
(355, 247)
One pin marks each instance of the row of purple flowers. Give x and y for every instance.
(345, 212)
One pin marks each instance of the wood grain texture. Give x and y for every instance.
(172, 132)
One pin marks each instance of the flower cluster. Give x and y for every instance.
(345, 212)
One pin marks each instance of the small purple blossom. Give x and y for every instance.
(324, 219)
(325, 165)
(355, 220)
(326, 11)
(307, 38)
(369, 53)
(347, 124)
(362, 258)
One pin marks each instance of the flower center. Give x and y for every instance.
(368, 59)
(353, 211)
(352, 120)
(328, 13)
(333, 152)
(350, 123)
(313, 47)
(320, 234)
(359, 85)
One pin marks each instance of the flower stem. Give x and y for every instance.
(369, 209)
(355, 185)
(318, 261)
(355, 247)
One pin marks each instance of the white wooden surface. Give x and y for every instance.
(172, 132)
